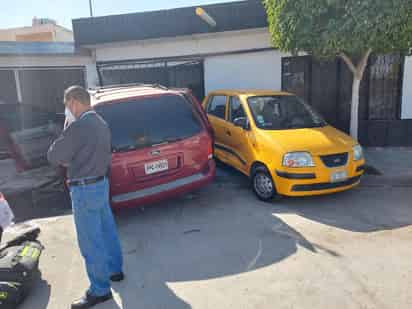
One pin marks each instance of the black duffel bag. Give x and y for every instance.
(11, 294)
(19, 267)
(28, 234)
(20, 263)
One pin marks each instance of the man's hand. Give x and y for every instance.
(66, 124)
(65, 146)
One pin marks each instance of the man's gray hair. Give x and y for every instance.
(77, 93)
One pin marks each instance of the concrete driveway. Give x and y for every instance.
(221, 248)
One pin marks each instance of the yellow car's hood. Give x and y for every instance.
(325, 140)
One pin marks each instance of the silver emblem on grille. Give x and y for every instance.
(337, 160)
(155, 152)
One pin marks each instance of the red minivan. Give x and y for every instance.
(162, 143)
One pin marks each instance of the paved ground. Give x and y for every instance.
(394, 164)
(221, 248)
(14, 183)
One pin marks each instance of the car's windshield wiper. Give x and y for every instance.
(158, 144)
(174, 139)
(316, 125)
(124, 148)
(152, 144)
(292, 126)
(168, 141)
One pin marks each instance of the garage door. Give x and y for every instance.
(257, 70)
(44, 88)
(181, 74)
(8, 93)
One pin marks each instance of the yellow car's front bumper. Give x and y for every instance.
(315, 181)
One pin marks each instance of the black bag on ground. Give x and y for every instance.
(30, 234)
(19, 267)
(11, 294)
(20, 263)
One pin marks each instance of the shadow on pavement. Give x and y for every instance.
(39, 297)
(37, 204)
(358, 210)
(206, 235)
(376, 208)
(223, 230)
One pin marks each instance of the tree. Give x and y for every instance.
(349, 29)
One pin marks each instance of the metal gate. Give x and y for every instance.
(327, 85)
(44, 88)
(8, 91)
(181, 74)
(385, 87)
(296, 76)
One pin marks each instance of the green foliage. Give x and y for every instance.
(326, 28)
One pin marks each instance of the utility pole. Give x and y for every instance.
(91, 8)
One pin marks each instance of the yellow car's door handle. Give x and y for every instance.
(228, 133)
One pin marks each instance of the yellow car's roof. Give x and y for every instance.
(249, 92)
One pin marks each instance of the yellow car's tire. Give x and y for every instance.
(262, 184)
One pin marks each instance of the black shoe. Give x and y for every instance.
(89, 301)
(117, 277)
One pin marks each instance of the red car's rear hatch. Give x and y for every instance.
(156, 140)
(140, 169)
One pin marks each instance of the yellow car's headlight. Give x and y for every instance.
(298, 159)
(357, 152)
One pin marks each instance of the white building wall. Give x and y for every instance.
(258, 70)
(184, 46)
(43, 61)
(407, 90)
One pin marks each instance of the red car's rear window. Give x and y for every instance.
(149, 121)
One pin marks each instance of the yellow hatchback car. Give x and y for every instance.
(282, 144)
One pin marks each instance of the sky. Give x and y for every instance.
(19, 13)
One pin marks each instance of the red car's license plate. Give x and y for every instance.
(156, 167)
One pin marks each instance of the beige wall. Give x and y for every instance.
(7, 35)
(40, 33)
(35, 37)
(63, 35)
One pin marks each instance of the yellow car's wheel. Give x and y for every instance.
(262, 184)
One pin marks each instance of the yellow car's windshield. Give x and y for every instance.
(283, 113)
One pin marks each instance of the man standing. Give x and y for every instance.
(84, 147)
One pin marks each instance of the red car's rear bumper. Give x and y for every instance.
(164, 191)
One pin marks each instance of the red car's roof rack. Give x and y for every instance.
(120, 86)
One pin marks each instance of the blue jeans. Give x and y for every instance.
(97, 234)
